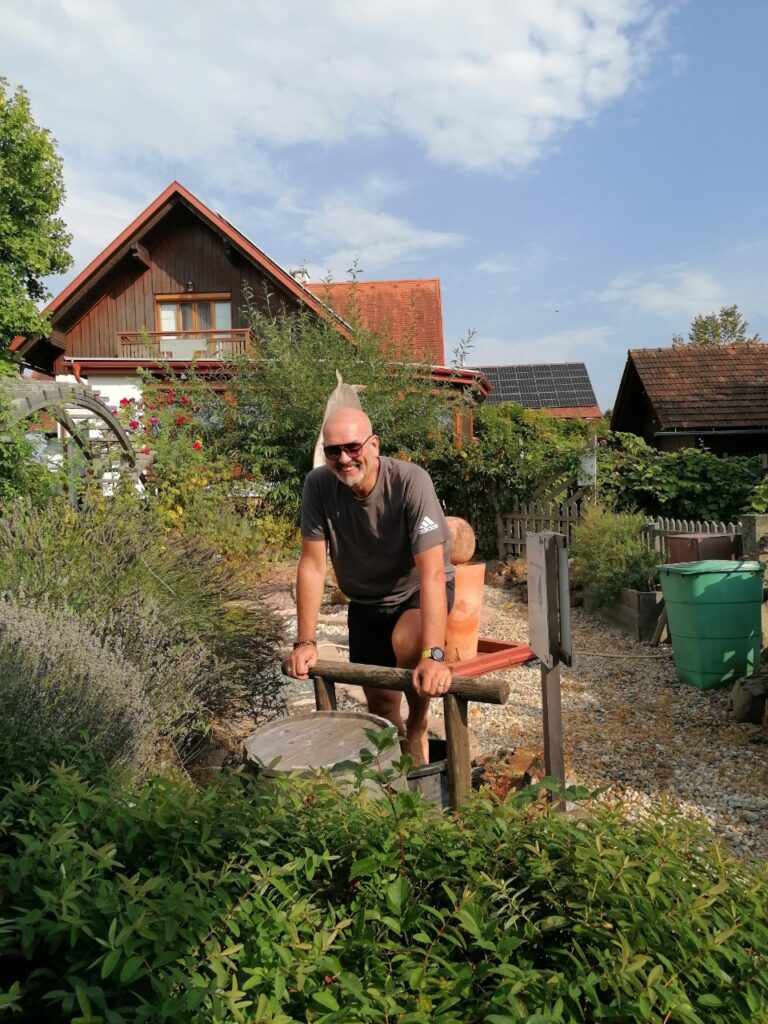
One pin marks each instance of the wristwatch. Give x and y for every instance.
(435, 653)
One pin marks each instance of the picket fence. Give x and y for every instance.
(562, 517)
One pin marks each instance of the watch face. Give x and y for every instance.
(437, 654)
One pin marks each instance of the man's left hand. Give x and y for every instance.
(432, 678)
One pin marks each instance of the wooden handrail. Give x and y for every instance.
(325, 675)
(484, 691)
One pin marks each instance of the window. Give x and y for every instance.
(189, 323)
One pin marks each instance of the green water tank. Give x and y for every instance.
(714, 613)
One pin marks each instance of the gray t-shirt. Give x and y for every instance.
(372, 541)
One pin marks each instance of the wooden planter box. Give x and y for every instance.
(636, 612)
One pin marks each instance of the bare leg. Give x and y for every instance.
(386, 703)
(406, 641)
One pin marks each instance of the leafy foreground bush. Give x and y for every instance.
(609, 553)
(292, 903)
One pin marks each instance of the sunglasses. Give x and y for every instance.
(352, 448)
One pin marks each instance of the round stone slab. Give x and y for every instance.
(314, 739)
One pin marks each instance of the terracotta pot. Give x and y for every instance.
(464, 621)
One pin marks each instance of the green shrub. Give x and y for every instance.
(59, 681)
(20, 472)
(692, 483)
(517, 453)
(609, 553)
(191, 625)
(289, 903)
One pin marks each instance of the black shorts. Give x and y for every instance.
(371, 628)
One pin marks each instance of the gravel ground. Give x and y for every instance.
(631, 726)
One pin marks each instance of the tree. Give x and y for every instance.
(728, 327)
(33, 239)
(276, 399)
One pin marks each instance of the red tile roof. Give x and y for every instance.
(575, 412)
(408, 312)
(703, 387)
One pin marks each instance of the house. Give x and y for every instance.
(561, 389)
(170, 286)
(170, 290)
(688, 396)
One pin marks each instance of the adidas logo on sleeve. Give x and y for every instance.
(427, 525)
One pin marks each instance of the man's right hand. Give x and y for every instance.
(300, 661)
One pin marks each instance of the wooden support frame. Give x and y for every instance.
(549, 627)
(326, 674)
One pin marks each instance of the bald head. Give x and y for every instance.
(346, 425)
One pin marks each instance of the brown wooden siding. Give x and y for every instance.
(181, 249)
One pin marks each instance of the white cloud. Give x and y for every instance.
(577, 344)
(219, 95)
(371, 239)
(497, 266)
(675, 293)
(95, 215)
(485, 86)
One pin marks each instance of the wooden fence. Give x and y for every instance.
(536, 516)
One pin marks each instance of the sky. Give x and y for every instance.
(583, 176)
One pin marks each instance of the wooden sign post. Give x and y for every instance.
(549, 627)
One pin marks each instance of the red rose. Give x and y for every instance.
(125, 401)
(134, 424)
(153, 419)
(180, 421)
(196, 446)
(146, 450)
(185, 399)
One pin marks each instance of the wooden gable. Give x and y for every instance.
(176, 248)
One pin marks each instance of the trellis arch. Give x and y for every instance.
(90, 424)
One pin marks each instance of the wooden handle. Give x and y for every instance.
(485, 691)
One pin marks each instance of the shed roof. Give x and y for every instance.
(409, 312)
(561, 388)
(701, 387)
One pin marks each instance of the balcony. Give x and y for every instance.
(185, 346)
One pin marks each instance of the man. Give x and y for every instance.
(388, 542)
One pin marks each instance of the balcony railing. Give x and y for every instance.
(185, 345)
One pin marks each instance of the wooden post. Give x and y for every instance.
(457, 744)
(325, 694)
(546, 590)
(554, 763)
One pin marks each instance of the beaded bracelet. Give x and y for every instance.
(304, 643)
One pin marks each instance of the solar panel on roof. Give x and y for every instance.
(541, 385)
